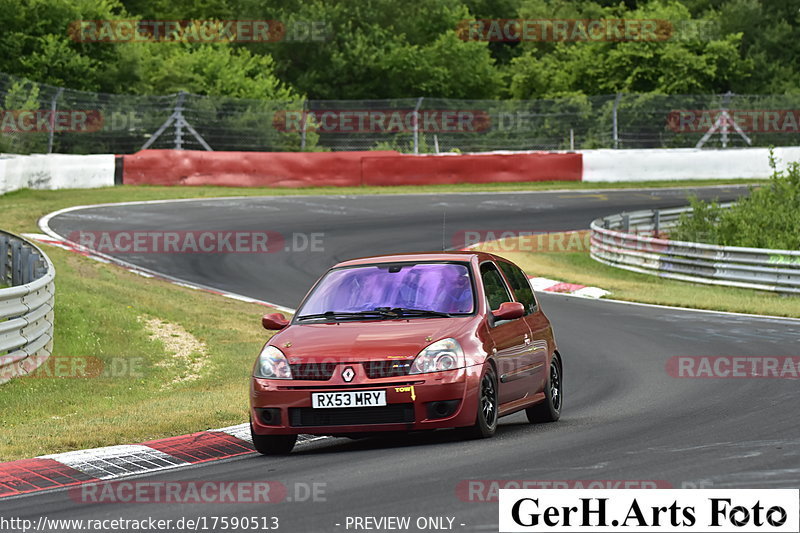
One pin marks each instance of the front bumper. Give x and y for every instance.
(414, 402)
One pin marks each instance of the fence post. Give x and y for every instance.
(303, 126)
(726, 103)
(615, 121)
(53, 106)
(626, 223)
(179, 121)
(416, 125)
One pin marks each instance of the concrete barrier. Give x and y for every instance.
(682, 164)
(55, 171)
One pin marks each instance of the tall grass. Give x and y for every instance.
(768, 218)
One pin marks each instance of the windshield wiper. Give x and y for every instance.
(331, 315)
(407, 311)
(382, 312)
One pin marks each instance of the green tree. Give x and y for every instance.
(209, 69)
(35, 43)
(680, 64)
(379, 49)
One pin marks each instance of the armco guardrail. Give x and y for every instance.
(632, 241)
(26, 306)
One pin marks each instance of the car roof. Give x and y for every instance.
(466, 256)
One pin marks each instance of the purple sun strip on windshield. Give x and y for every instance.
(442, 287)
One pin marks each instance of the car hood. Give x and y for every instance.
(366, 340)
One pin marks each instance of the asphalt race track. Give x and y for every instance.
(624, 418)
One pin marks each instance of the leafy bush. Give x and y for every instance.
(768, 218)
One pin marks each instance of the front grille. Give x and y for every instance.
(313, 371)
(386, 369)
(374, 369)
(396, 413)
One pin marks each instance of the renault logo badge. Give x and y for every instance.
(348, 374)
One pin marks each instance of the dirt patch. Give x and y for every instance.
(188, 356)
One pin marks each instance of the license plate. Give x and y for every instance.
(361, 398)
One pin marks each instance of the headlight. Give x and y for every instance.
(272, 364)
(445, 354)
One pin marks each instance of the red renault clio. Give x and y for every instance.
(406, 343)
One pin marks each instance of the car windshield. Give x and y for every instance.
(436, 287)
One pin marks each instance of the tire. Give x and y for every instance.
(486, 417)
(550, 409)
(273, 444)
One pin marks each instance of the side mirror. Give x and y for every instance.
(509, 311)
(274, 321)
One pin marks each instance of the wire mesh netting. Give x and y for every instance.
(39, 118)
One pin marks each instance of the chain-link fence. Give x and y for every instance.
(38, 118)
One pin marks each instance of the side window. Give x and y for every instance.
(494, 286)
(520, 285)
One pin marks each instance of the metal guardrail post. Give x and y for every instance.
(36, 269)
(626, 222)
(3, 258)
(25, 265)
(656, 222)
(16, 246)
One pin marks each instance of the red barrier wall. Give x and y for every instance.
(471, 168)
(245, 169)
(341, 169)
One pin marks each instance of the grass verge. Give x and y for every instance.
(576, 266)
(111, 381)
